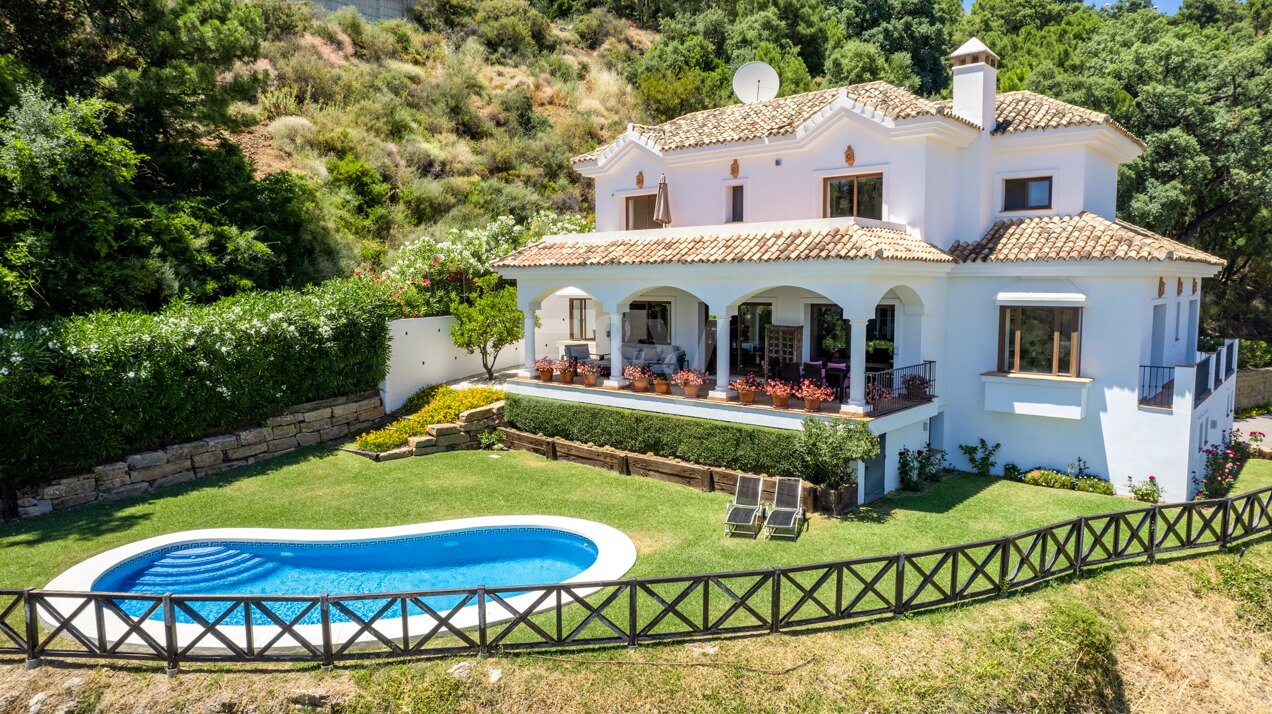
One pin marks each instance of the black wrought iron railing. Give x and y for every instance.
(176, 629)
(900, 388)
(1230, 356)
(1202, 385)
(1156, 386)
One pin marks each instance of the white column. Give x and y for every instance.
(721, 390)
(857, 368)
(528, 313)
(616, 380)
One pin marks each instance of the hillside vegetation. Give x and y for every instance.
(127, 123)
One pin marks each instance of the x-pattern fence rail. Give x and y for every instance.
(192, 628)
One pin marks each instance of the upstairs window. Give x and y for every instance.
(1027, 194)
(735, 204)
(853, 197)
(640, 212)
(1039, 340)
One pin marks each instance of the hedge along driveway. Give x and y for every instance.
(677, 530)
(77, 391)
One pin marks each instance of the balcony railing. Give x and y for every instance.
(1230, 353)
(900, 388)
(1202, 386)
(1156, 386)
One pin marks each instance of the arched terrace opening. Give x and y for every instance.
(561, 322)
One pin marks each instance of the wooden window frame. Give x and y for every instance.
(1051, 191)
(586, 307)
(627, 210)
(1075, 340)
(856, 179)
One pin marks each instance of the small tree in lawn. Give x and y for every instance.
(489, 323)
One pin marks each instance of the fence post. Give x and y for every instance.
(898, 597)
(776, 614)
(1226, 524)
(481, 620)
(324, 609)
(1003, 565)
(32, 630)
(1152, 533)
(170, 634)
(1077, 545)
(631, 612)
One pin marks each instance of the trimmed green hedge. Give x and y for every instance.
(753, 449)
(79, 390)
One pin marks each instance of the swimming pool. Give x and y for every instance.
(453, 555)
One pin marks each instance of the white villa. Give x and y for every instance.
(863, 234)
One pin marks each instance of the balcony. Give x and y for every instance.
(1158, 384)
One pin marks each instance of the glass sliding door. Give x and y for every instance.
(747, 337)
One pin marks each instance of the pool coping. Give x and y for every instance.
(616, 554)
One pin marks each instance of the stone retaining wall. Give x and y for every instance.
(301, 425)
(465, 433)
(1254, 388)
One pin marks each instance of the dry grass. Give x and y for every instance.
(1137, 639)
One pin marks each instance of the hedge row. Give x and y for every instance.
(753, 449)
(79, 390)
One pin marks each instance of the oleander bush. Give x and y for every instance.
(754, 449)
(444, 407)
(79, 390)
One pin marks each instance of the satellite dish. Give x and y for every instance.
(755, 82)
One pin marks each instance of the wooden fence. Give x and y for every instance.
(174, 629)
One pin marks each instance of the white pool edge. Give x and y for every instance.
(616, 554)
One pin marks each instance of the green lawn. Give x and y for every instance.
(677, 530)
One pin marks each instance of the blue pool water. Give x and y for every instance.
(458, 559)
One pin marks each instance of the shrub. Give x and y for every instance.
(82, 389)
(1050, 478)
(915, 467)
(980, 456)
(512, 29)
(701, 441)
(1148, 491)
(831, 448)
(444, 408)
(420, 399)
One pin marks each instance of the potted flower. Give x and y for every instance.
(638, 375)
(746, 387)
(662, 385)
(876, 393)
(915, 386)
(590, 371)
(545, 367)
(813, 394)
(690, 380)
(568, 368)
(779, 391)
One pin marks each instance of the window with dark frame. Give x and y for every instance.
(1040, 340)
(640, 212)
(582, 325)
(735, 204)
(647, 323)
(853, 196)
(1027, 194)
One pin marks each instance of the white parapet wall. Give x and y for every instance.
(421, 353)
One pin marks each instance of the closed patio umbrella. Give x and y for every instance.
(662, 204)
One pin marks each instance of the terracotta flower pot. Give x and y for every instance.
(781, 402)
(915, 392)
(545, 375)
(640, 385)
(589, 380)
(661, 387)
(747, 397)
(691, 390)
(812, 405)
(567, 377)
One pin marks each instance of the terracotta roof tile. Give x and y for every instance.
(1016, 112)
(775, 117)
(847, 242)
(1085, 236)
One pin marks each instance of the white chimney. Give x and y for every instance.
(975, 83)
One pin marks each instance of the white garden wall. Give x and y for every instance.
(421, 353)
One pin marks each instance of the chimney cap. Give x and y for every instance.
(971, 47)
